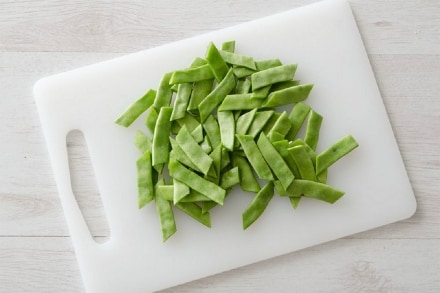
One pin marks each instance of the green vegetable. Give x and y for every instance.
(217, 124)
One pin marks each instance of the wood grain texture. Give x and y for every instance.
(40, 38)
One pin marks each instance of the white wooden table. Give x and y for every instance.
(40, 38)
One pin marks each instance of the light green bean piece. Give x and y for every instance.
(245, 121)
(212, 130)
(239, 102)
(288, 96)
(228, 46)
(164, 92)
(273, 75)
(260, 120)
(243, 86)
(206, 145)
(335, 152)
(248, 182)
(195, 212)
(271, 122)
(227, 129)
(225, 158)
(167, 192)
(283, 85)
(142, 141)
(161, 142)
(180, 190)
(303, 162)
(275, 161)
(297, 116)
(322, 177)
(282, 148)
(151, 119)
(261, 93)
(181, 101)
(216, 156)
(144, 179)
(312, 131)
(255, 157)
(311, 153)
(197, 134)
(267, 63)
(194, 181)
(215, 60)
(193, 150)
(135, 109)
(242, 72)
(238, 60)
(217, 96)
(258, 205)
(190, 122)
(281, 126)
(195, 196)
(275, 136)
(166, 215)
(230, 178)
(192, 74)
(178, 154)
(316, 190)
(200, 90)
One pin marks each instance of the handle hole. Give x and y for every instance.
(84, 187)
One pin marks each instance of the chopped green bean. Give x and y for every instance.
(314, 190)
(288, 96)
(273, 75)
(227, 129)
(260, 120)
(297, 116)
(180, 191)
(267, 63)
(255, 157)
(200, 90)
(136, 109)
(303, 162)
(194, 211)
(144, 179)
(215, 60)
(161, 142)
(192, 74)
(151, 119)
(212, 130)
(312, 131)
(181, 101)
(228, 46)
(243, 86)
(335, 152)
(281, 126)
(245, 121)
(164, 92)
(166, 216)
(283, 85)
(242, 72)
(258, 205)
(142, 142)
(247, 180)
(239, 102)
(230, 178)
(178, 154)
(238, 60)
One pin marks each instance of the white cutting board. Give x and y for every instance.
(324, 40)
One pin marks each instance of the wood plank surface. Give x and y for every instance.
(40, 38)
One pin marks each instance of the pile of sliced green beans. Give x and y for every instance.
(218, 124)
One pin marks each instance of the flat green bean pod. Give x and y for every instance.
(136, 109)
(258, 205)
(273, 75)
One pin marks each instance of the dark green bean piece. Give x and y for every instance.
(239, 102)
(212, 130)
(227, 129)
(297, 116)
(144, 179)
(192, 74)
(181, 101)
(275, 161)
(142, 141)
(161, 142)
(164, 92)
(215, 60)
(193, 150)
(255, 157)
(238, 60)
(335, 152)
(314, 190)
(260, 120)
(273, 75)
(312, 131)
(166, 216)
(248, 182)
(195, 212)
(303, 162)
(228, 46)
(288, 96)
(135, 109)
(215, 97)
(196, 182)
(258, 205)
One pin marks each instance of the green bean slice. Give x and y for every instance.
(273, 75)
(144, 179)
(200, 90)
(161, 143)
(166, 216)
(212, 130)
(243, 86)
(297, 116)
(271, 122)
(164, 92)
(193, 150)
(275, 161)
(267, 63)
(215, 60)
(239, 102)
(255, 157)
(195, 212)
(178, 154)
(217, 95)
(288, 96)
(248, 182)
(228, 46)
(142, 141)
(181, 101)
(230, 178)
(335, 152)
(316, 190)
(192, 74)
(312, 131)
(238, 59)
(227, 129)
(151, 119)
(282, 125)
(260, 120)
(180, 190)
(258, 205)
(242, 72)
(282, 148)
(135, 109)
(194, 181)
(303, 162)
(283, 85)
